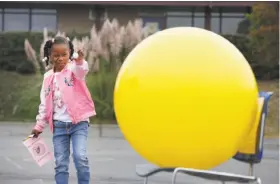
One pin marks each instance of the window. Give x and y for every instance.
(216, 20)
(15, 10)
(16, 19)
(226, 20)
(234, 11)
(46, 11)
(199, 22)
(153, 24)
(231, 17)
(230, 24)
(39, 22)
(153, 20)
(179, 18)
(16, 22)
(199, 17)
(188, 12)
(215, 24)
(28, 19)
(43, 18)
(194, 17)
(1, 18)
(199, 11)
(178, 21)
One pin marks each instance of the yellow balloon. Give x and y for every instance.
(185, 97)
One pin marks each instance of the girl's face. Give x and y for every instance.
(59, 56)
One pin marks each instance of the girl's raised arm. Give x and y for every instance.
(79, 66)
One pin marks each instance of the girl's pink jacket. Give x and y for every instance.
(74, 91)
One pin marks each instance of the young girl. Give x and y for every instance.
(66, 106)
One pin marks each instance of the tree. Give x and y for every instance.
(243, 27)
(264, 35)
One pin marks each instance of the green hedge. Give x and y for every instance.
(13, 58)
(261, 69)
(242, 43)
(19, 95)
(12, 54)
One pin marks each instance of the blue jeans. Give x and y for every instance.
(77, 133)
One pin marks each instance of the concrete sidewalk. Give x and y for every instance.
(112, 160)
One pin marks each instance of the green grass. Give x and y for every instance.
(13, 89)
(19, 98)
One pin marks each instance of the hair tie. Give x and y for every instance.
(48, 67)
(44, 59)
(75, 55)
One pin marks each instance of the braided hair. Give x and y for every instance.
(56, 40)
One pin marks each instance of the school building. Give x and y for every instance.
(218, 16)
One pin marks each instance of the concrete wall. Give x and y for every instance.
(73, 18)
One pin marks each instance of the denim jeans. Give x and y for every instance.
(64, 132)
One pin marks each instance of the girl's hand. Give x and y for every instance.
(79, 57)
(36, 133)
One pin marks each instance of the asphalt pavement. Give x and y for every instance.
(111, 158)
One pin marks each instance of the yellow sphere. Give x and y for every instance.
(185, 97)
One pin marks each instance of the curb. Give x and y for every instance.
(270, 140)
(31, 123)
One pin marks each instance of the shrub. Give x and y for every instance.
(105, 51)
(12, 53)
(243, 27)
(242, 43)
(101, 86)
(111, 52)
(264, 39)
(25, 68)
(110, 45)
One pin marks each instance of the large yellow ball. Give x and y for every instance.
(185, 97)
